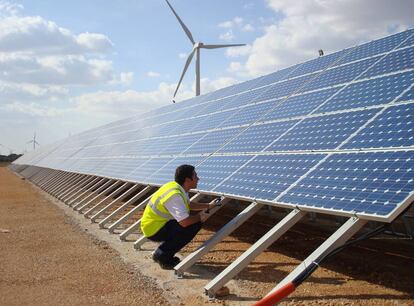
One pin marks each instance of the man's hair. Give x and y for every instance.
(182, 172)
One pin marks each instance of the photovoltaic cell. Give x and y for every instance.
(323, 132)
(393, 128)
(266, 176)
(395, 61)
(370, 183)
(370, 92)
(300, 105)
(216, 168)
(257, 137)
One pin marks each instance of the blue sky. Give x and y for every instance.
(67, 66)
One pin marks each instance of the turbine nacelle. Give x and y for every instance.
(196, 49)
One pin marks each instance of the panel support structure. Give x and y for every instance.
(115, 201)
(94, 193)
(256, 249)
(226, 230)
(76, 194)
(117, 188)
(122, 207)
(76, 187)
(101, 191)
(68, 182)
(128, 215)
(342, 235)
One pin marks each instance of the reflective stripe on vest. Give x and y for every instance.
(154, 205)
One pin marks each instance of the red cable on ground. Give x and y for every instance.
(276, 296)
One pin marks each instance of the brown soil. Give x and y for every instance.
(51, 257)
(47, 259)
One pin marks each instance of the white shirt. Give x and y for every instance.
(176, 206)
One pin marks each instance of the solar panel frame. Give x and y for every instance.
(162, 137)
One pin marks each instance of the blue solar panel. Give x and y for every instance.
(395, 61)
(378, 46)
(334, 133)
(257, 137)
(215, 169)
(266, 176)
(323, 132)
(340, 75)
(300, 105)
(212, 141)
(369, 183)
(166, 173)
(393, 128)
(370, 92)
(250, 114)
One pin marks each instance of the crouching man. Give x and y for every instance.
(167, 218)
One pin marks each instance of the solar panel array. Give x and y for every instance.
(333, 134)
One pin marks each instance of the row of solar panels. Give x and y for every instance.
(291, 137)
(192, 106)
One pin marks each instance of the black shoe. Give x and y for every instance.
(168, 264)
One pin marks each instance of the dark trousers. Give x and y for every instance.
(173, 237)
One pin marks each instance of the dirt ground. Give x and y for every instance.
(50, 255)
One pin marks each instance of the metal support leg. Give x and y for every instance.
(256, 249)
(98, 187)
(41, 176)
(67, 181)
(242, 217)
(73, 196)
(343, 234)
(139, 195)
(84, 181)
(115, 201)
(55, 181)
(119, 187)
(73, 202)
(98, 193)
(53, 175)
(35, 175)
(45, 176)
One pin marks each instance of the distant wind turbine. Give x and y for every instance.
(34, 141)
(196, 49)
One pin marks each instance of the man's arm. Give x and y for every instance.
(190, 220)
(196, 206)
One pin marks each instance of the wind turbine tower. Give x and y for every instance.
(197, 46)
(34, 141)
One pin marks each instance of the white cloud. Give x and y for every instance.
(248, 28)
(208, 85)
(153, 74)
(30, 92)
(309, 25)
(182, 55)
(239, 51)
(227, 36)
(9, 9)
(33, 34)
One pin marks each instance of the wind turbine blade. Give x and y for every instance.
(187, 63)
(30, 141)
(221, 46)
(186, 30)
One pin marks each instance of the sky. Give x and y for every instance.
(68, 66)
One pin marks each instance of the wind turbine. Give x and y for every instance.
(196, 50)
(34, 141)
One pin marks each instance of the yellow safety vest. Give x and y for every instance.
(156, 214)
